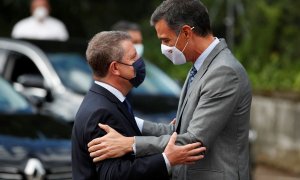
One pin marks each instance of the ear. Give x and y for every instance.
(113, 68)
(187, 31)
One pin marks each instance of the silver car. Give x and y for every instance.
(55, 77)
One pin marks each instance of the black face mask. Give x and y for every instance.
(139, 70)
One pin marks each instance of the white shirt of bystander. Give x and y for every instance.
(47, 29)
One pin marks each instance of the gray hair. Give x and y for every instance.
(178, 13)
(104, 48)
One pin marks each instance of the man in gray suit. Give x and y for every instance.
(214, 106)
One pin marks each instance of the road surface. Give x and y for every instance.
(267, 173)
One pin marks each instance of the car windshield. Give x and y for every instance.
(157, 83)
(77, 76)
(73, 71)
(11, 101)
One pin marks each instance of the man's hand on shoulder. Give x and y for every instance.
(112, 145)
(187, 154)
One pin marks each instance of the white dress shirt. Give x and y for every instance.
(48, 29)
(198, 63)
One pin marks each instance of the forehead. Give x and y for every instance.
(36, 3)
(163, 30)
(136, 36)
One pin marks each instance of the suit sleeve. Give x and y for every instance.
(146, 168)
(127, 167)
(217, 102)
(156, 129)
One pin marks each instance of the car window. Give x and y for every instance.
(75, 74)
(20, 64)
(3, 55)
(73, 70)
(157, 83)
(11, 101)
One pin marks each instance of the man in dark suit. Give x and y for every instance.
(116, 70)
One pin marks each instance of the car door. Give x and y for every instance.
(30, 71)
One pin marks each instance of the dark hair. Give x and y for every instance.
(126, 26)
(178, 13)
(104, 48)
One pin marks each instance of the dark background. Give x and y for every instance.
(263, 34)
(83, 18)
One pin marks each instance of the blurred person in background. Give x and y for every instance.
(40, 25)
(134, 30)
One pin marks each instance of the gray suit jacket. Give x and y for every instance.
(215, 110)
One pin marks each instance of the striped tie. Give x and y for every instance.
(193, 72)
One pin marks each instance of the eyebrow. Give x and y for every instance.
(162, 39)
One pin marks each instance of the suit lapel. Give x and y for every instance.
(104, 92)
(182, 97)
(130, 118)
(183, 93)
(203, 69)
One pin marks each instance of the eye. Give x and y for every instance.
(165, 41)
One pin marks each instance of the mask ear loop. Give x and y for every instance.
(187, 42)
(177, 39)
(179, 35)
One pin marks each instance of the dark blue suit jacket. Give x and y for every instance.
(101, 106)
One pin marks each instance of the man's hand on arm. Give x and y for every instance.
(114, 145)
(111, 145)
(186, 154)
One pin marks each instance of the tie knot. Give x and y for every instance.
(128, 106)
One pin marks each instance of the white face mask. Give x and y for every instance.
(40, 13)
(173, 54)
(139, 49)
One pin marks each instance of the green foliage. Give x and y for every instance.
(270, 49)
(266, 32)
(267, 43)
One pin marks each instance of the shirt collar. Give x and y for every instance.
(111, 89)
(205, 53)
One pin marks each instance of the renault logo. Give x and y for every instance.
(34, 170)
